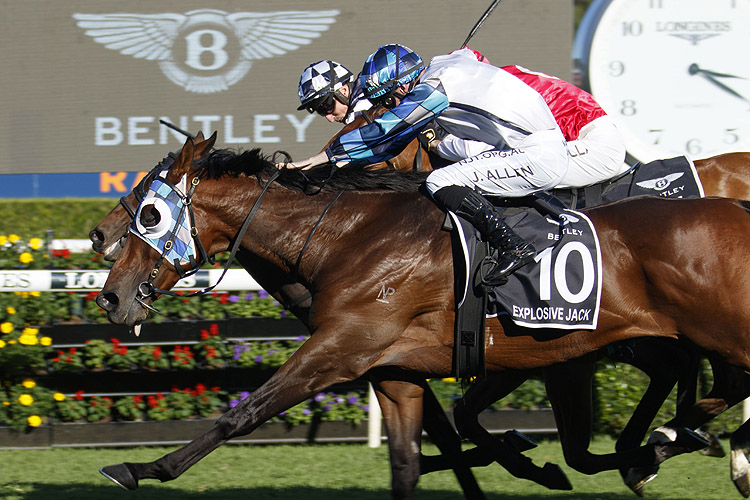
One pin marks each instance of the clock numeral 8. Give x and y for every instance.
(628, 107)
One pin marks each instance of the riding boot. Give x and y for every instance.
(513, 251)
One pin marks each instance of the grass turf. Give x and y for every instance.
(329, 472)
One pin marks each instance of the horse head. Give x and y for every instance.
(166, 245)
(109, 236)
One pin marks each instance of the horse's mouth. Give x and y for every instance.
(111, 253)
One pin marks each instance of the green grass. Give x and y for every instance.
(328, 472)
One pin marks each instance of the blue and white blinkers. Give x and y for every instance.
(165, 223)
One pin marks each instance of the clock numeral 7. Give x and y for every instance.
(656, 134)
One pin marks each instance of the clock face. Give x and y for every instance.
(673, 74)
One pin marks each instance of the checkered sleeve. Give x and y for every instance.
(387, 135)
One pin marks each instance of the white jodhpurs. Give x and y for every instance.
(539, 162)
(597, 155)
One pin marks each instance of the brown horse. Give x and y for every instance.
(409, 338)
(722, 176)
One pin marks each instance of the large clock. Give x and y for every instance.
(673, 74)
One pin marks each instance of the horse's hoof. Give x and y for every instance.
(636, 479)
(555, 478)
(120, 475)
(739, 468)
(519, 441)
(714, 449)
(743, 485)
(691, 439)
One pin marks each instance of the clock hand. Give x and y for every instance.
(710, 76)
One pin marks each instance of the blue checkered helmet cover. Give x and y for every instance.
(388, 67)
(168, 202)
(321, 78)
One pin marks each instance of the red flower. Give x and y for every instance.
(224, 299)
(55, 360)
(200, 389)
(204, 334)
(73, 350)
(156, 353)
(137, 399)
(64, 253)
(79, 396)
(216, 388)
(214, 329)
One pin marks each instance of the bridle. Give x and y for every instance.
(147, 289)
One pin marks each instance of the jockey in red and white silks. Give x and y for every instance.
(595, 145)
(524, 149)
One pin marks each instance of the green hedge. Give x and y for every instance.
(68, 217)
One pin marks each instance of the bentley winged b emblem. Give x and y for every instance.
(661, 183)
(206, 50)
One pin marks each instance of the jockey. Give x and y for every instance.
(469, 100)
(331, 90)
(595, 145)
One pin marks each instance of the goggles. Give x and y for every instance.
(324, 106)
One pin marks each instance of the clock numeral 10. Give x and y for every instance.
(632, 28)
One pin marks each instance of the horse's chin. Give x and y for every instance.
(134, 315)
(113, 251)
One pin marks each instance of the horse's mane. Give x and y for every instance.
(227, 163)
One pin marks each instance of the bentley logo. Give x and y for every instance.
(661, 183)
(206, 50)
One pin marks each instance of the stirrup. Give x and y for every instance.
(513, 260)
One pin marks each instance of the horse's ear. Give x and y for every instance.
(198, 137)
(184, 161)
(202, 148)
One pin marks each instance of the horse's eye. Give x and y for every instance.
(150, 216)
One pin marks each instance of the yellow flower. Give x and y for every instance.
(36, 243)
(13, 238)
(6, 327)
(34, 420)
(3, 239)
(6, 403)
(30, 331)
(449, 379)
(11, 342)
(28, 383)
(28, 340)
(26, 258)
(10, 310)
(35, 294)
(59, 396)
(25, 399)
(2, 344)
(46, 341)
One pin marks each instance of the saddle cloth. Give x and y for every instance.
(670, 178)
(562, 287)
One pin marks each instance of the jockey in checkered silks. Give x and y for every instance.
(331, 90)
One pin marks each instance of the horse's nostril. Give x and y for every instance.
(96, 236)
(108, 301)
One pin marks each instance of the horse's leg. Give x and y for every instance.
(569, 390)
(310, 370)
(466, 414)
(648, 355)
(441, 432)
(401, 404)
(731, 385)
(738, 463)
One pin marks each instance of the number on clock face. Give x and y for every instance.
(674, 75)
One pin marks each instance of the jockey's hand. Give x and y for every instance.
(318, 159)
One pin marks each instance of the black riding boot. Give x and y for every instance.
(513, 251)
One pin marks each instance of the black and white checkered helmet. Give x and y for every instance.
(319, 79)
